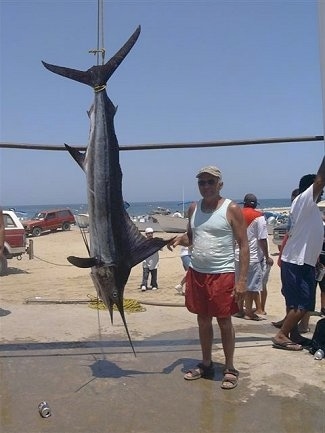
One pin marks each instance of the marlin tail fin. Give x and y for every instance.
(97, 75)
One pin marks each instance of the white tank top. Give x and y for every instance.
(213, 241)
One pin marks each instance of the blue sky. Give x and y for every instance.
(200, 71)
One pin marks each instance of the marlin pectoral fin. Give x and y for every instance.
(76, 155)
(83, 262)
(139, 248)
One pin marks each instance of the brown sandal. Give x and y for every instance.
(230, 378)
(201, 371)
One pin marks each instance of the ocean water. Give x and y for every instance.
(136, 208)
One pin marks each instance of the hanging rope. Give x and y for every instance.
(100, 33)
(102, 30)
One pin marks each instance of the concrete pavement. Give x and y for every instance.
(72, 357)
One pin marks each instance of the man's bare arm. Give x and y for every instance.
(319, 182)
(240, 234)
(184, 239)
(265, 249)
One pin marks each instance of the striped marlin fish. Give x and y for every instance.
(116, 245)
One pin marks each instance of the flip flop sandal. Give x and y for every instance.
(239, 315)
(286, 345)
(255, 318)
(201, 371)
(232, 381)
(277, 324)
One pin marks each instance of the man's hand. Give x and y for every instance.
(174, 242)
(240, 291)
(269, 261)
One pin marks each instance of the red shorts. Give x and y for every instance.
(210, 294)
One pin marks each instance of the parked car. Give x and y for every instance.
(15, 239)
(51, 219)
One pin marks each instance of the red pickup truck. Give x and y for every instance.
(15, 239)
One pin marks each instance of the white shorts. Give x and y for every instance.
(266, 272)
(254, 276)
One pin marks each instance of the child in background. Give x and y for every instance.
(149, 266)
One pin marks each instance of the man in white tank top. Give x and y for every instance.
(215, 223)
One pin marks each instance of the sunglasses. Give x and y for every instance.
(207, 182)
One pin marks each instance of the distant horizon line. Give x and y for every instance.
(132, 202)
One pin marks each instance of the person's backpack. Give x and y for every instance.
(318, 340)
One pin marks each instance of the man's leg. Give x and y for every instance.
(254, 286)
(145, 275)
(249, 303)
(206, 338)
(260, 305)
(250, 297)
(263, 294)
(228, 340)
(205, 368)
(154, 282)
(322, 302)
(290, 322)
(230, 378)
(263, 297)
(298, 288)
(322, 296)
(303, 326)
(241, 308)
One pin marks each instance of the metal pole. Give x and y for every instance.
(161, 146)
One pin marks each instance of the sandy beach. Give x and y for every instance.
(50, 277)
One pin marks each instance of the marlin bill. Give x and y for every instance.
(115, 244)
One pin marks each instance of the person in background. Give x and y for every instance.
(260, 306)
(261, 301)
(150, 266)
(258, 252)
(294, 194)
(303, 325)
(215, 223)
(320, 274)
(185, 255)
(299, 257)
(321, 283)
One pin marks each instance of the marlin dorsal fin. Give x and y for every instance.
(76, 155)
